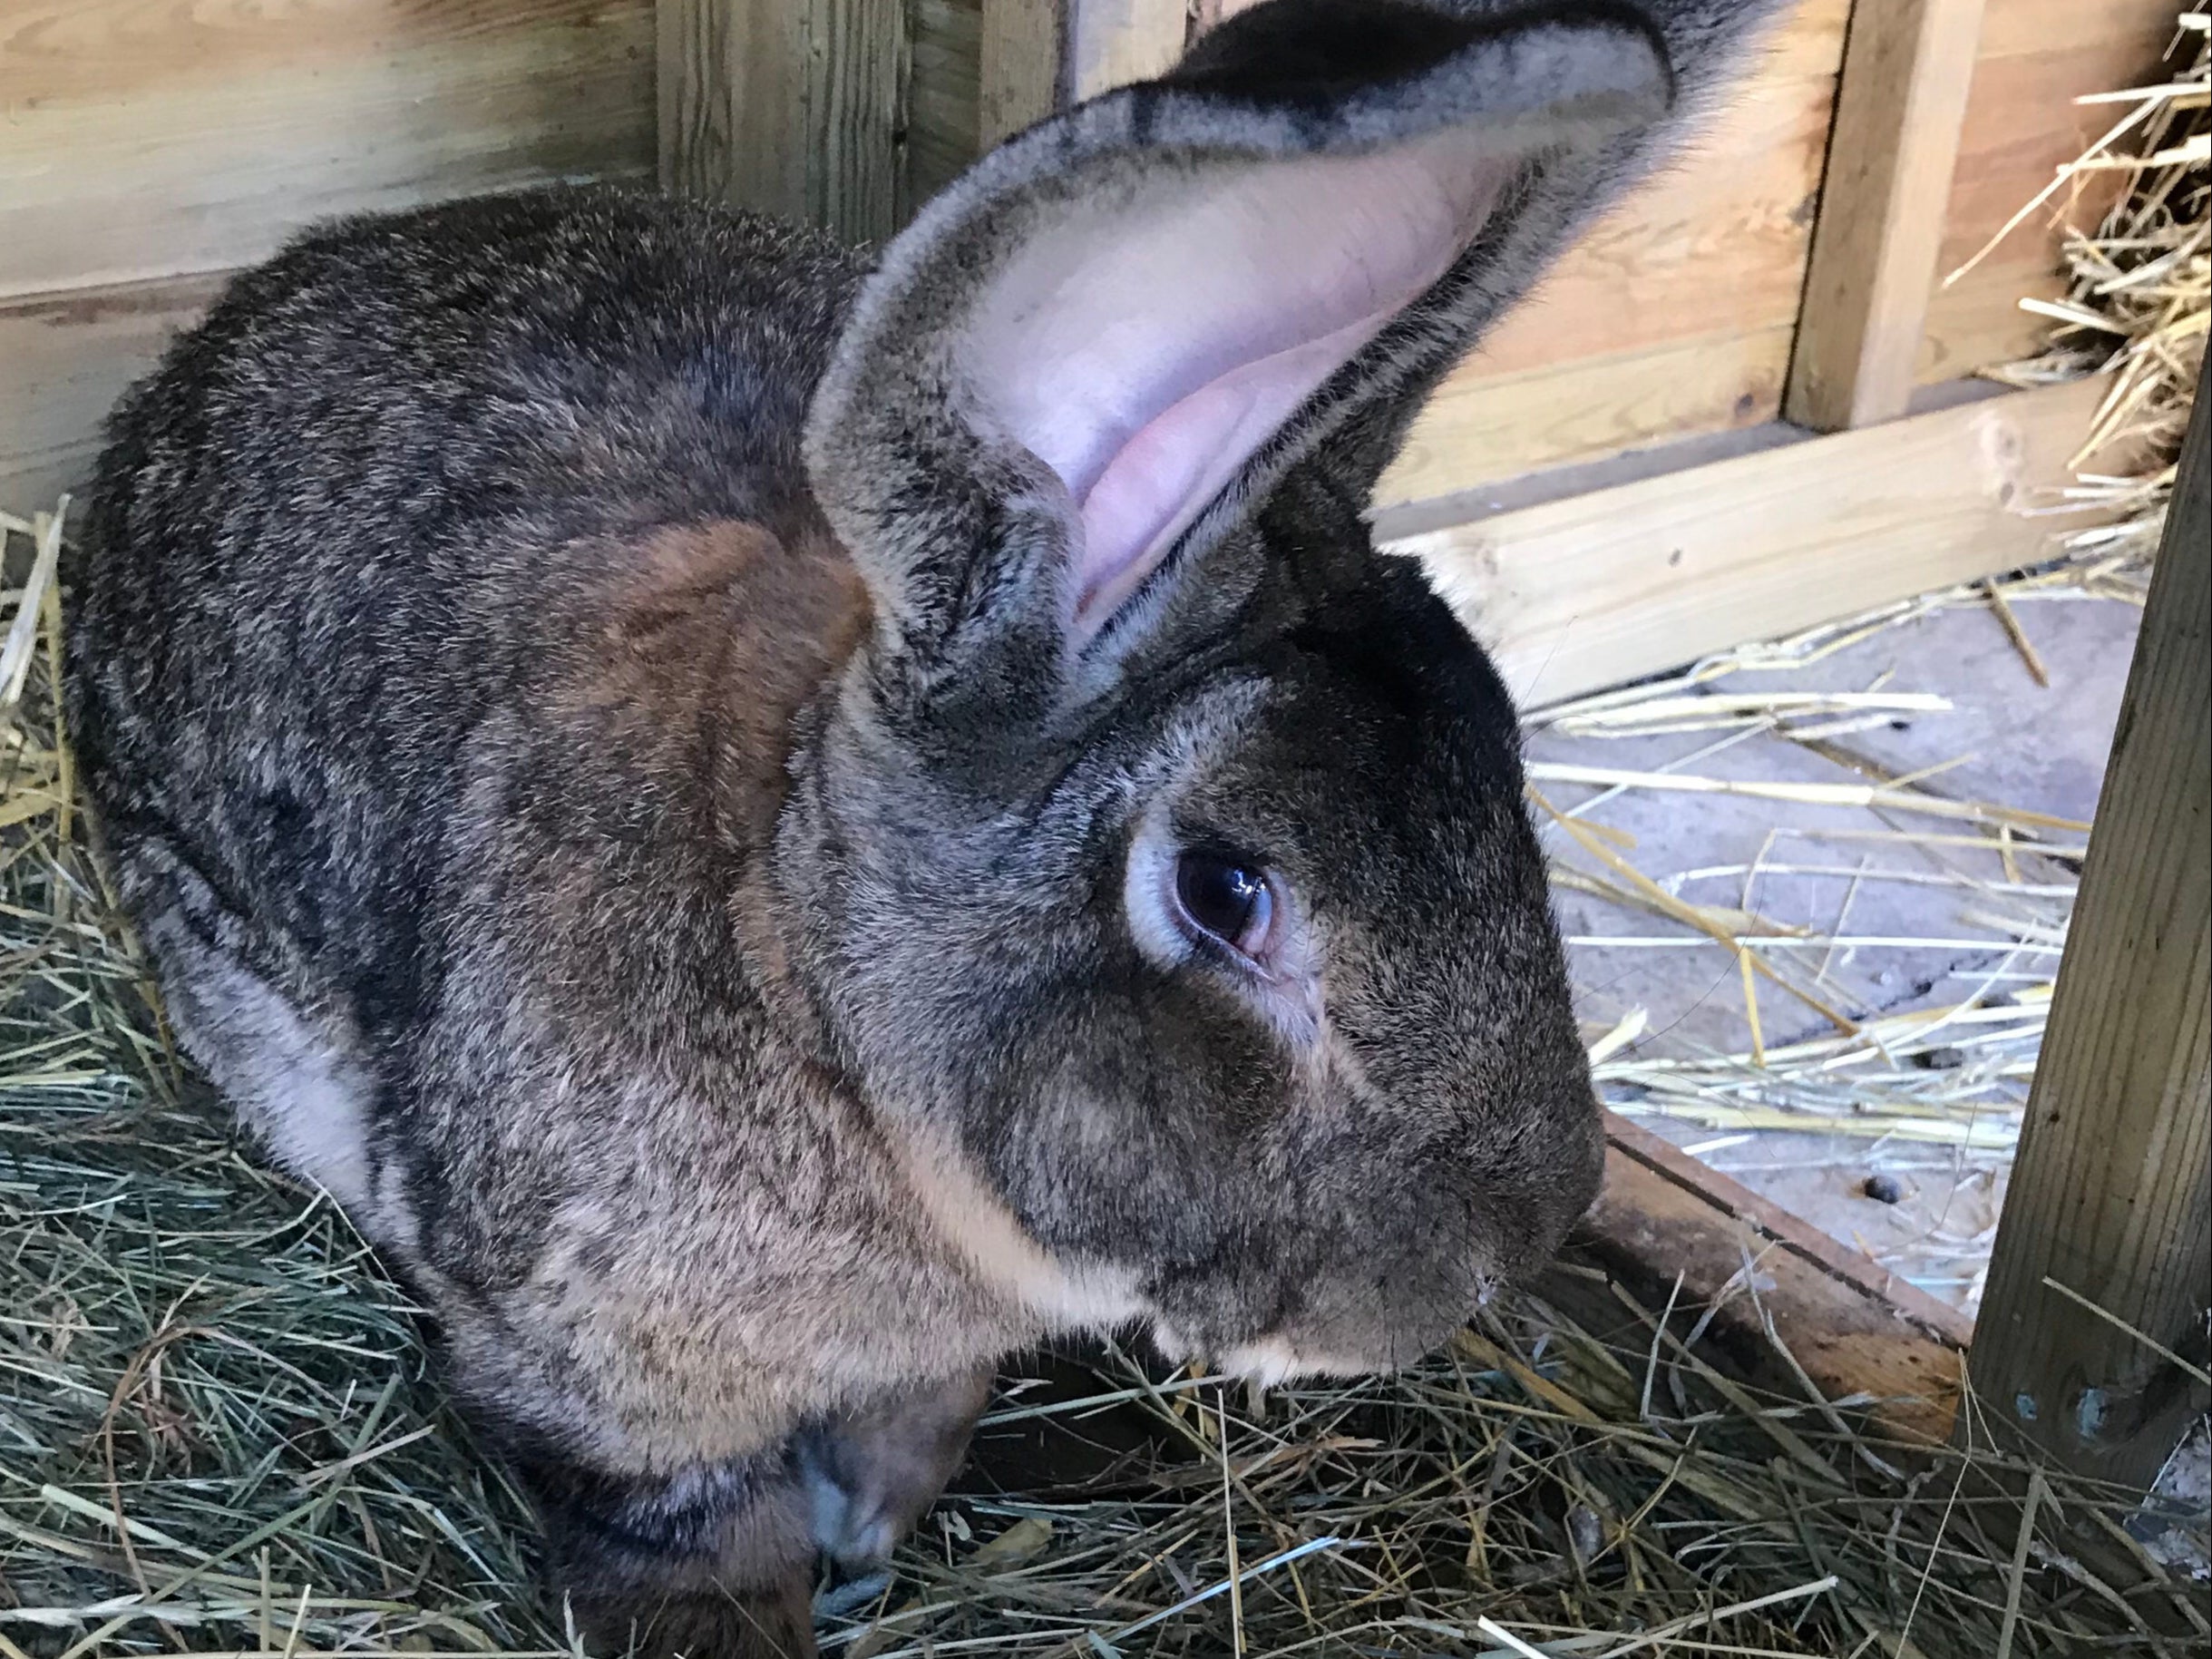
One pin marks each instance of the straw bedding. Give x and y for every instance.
(218, 1431)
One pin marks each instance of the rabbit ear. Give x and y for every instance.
(1127, 321)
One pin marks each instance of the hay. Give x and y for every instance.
(215, 1427)
(217, 1431)
(1890, 1086)
(2139, 290)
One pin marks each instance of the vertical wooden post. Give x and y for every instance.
(796, 108)
(2112, 1195)
(1900, 101)
(1024, 65)
(1040, 56)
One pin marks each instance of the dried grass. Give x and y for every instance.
(217, 1432)
(2140, 295)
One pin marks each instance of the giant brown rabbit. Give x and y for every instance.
(774, 824)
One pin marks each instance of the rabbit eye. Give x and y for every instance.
(1226, 897)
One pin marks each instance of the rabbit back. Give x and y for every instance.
(354, 509)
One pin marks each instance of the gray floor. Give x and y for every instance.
(2023, 746)
(2017, 745)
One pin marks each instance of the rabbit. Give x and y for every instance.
(777, 823)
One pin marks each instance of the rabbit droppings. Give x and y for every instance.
(775, 826)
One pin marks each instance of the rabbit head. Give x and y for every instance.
(1163, 848)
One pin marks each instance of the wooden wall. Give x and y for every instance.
(153, 145)
(2021, 125)
(1675, 316)
(149, 146)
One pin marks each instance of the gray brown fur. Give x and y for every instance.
(660, 865)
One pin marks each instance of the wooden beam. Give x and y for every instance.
(143, 142)
(1855, 1329)
(1900, 104)
(64, 359)
(1612, 584)
(1024, 65)
(794, 108)
(2111, 1193)
(1112, 43)
(1042, 55)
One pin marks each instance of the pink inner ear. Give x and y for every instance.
(1164, 476)
(1146, 346)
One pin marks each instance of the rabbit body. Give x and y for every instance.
(775, 827)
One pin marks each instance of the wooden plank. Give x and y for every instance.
(1481, 428)
(1042, 55)
(1625, 343)
(147, 140)
(1857, 1329)
(795, 109)
(943, 112)
(64, 361)
(2111, 1191)
(2020, 124)
(1575, 594)
(1023, 67)
(1112, 43)
(1894, 146)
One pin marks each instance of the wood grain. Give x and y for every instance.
(1614, 583)
(64, 360)
(1481, 427)
(1891, 150)
(943, 109)
(147, 139)
(1024, 66)
(795, 109)
(2111, 1191)
(1855, 1329)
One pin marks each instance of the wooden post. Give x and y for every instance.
(1042, 55)
(796, 108)
(1024, 65)
(1900, 101)
(2111, 1193)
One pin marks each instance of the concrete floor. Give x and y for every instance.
(2024, 747)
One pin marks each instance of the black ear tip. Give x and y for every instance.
(1287, 49)
(1317, 52)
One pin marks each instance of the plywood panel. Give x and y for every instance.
(64, 361)
(1481, 427)
(147, 139)
(1673, 315)
(2021, 125)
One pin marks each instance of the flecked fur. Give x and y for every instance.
(661, 863)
